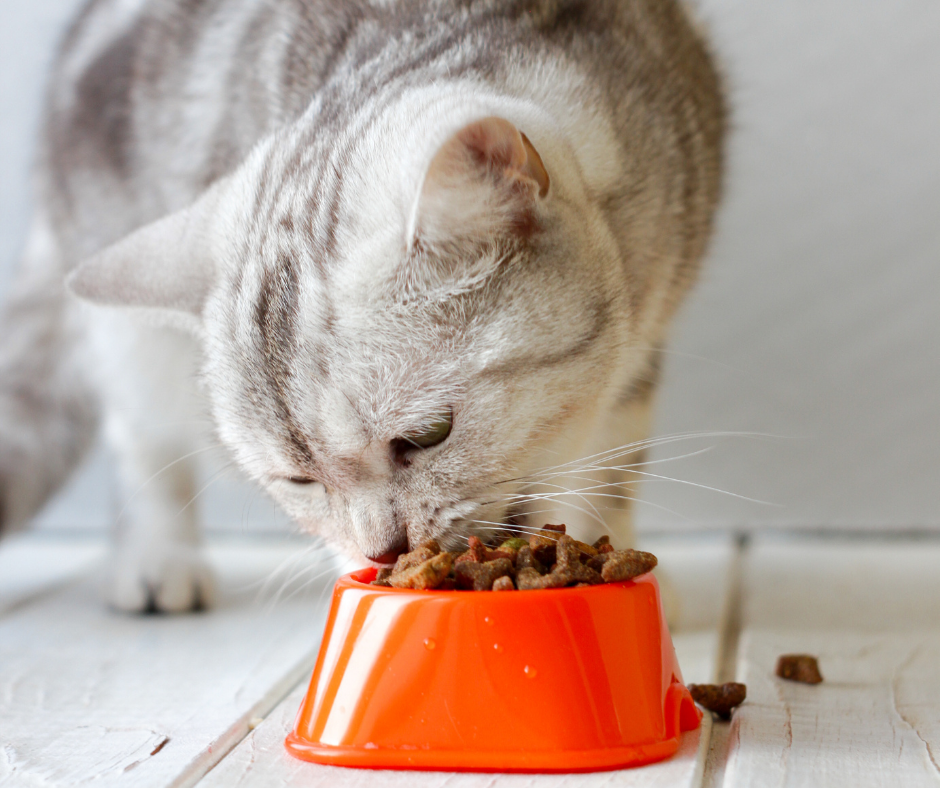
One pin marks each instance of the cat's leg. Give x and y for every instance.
(154, 423)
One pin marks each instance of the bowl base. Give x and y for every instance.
(463, 761)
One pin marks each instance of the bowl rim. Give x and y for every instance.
(351, 579)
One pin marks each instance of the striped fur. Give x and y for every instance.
(347, 255)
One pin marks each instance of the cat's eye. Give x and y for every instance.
(436, 432)
(300, 480)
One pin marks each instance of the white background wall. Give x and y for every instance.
(818, 317)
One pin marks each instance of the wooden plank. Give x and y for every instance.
(262, 762)
(697, 568)
(868, 611)
(874, 721)
(32, 564)
(88, 695)
(858, 584)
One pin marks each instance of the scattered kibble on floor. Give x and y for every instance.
(721, 699)
(799, 667)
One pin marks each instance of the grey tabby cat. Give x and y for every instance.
(415, 257)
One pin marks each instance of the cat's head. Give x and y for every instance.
(390, 341)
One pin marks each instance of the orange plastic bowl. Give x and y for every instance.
(559, 680)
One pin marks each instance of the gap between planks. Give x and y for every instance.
(726, 668)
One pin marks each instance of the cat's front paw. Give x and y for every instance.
(164, 578)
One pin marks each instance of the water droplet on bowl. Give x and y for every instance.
(530, 672)
(487, 620)
(498, 648)
(429, 644)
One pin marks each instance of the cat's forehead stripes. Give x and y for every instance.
(276, 318)
(330, 142)
(296, 203)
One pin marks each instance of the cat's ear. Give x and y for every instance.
(170, 265)
(486, 174)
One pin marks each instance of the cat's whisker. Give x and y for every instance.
(636, 446)
(529, 513)
(327, 587)
(562, 490)
(321, 556)
(316, 543)
(311, 581)
(515, 529)
(298, 573)
(627, 448)
(574, 506)
(627, 467)
(647, 476)
(508, 527)
(596, 516)
(558, 495)
(638, 501)
(490, 522)
(322, 553)
(657, 477)
(246, 508)
(557, 498)
(165, 468)
(264, 584)
(212, 480)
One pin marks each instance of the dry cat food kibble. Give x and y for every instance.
(719, 698)
(799, 667)
(547, 559)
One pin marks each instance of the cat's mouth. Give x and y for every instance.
(390, 556)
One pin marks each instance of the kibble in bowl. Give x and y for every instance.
(547, 559)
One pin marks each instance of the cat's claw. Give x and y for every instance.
(166, 579)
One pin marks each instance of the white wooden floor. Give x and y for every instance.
(89, 697)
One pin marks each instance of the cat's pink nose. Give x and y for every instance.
(390, 556)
